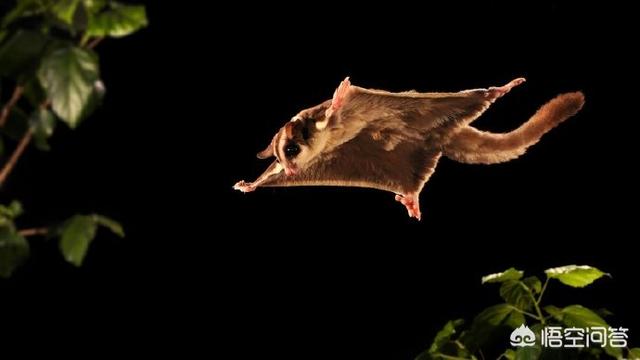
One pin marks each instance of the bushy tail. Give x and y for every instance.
(479, 147)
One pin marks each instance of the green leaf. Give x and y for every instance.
(515, 320)
(581, 317)
(603, 312)
(77, 233)
(23, 8)
(95, 100)
(532, 352)
(554, 311)
(534, 284)
(574, 275)
(110, 224)
(517, 294)
(537, 329)
(12, 211)
(634, 354)
(510, 274)
(21, 52)
(528, 352)
(43, 124)
(8, 213)
(509, 354)
(15, 207)
(484, 324)
(444, 335)
(117, 21)
(34, 92)
(43, 121)
(94, 6)
(494, 315)
(68, 75)
(65, 9)
(14, 250)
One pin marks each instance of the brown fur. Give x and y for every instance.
(392, 141)
(412, 127)
(473, 146)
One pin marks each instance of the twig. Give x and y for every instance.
(534, 316)
(33, 232)
(6, 109)
(544, 288)
(536, 305)
(11, 163)
(94, 42)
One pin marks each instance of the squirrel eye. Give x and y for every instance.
(292, 149)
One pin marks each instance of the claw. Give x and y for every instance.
(244, 186)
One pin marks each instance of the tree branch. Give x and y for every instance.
(11, 163)
(33, 232)
(546, 282)
(533, 316)
(94, 42)
(6, 109)
(536, 305)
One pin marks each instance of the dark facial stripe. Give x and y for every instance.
(276, 147)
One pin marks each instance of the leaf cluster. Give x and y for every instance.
(50, 74)
(522, 305)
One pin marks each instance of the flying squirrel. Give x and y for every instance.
(393, 141)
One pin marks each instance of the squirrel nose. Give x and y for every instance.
(290, 171)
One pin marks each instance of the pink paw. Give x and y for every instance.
(340, 93)
(338, 97)
(243, 186)
(411, 202)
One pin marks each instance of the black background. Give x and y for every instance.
(326, 272)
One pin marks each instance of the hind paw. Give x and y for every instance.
(412, 203)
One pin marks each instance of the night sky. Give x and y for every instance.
(319, 273)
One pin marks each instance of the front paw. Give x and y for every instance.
(243, 186)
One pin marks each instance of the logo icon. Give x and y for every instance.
(523, 336)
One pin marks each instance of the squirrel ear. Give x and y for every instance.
(268, 152)
(288, 130)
